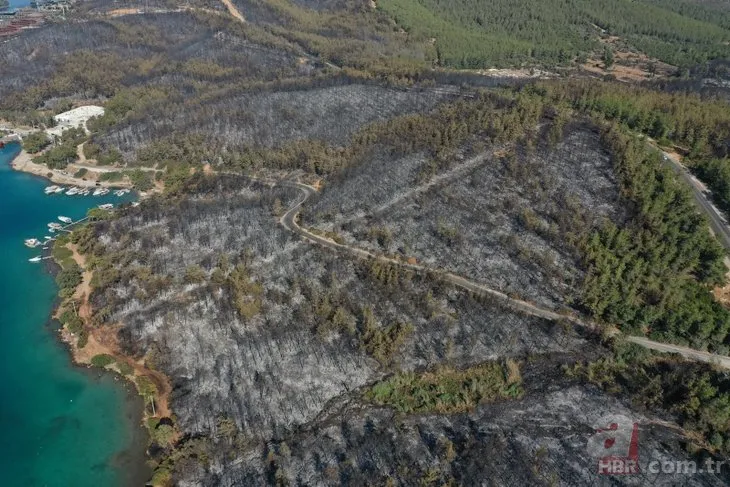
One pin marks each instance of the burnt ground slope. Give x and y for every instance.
(504, 216)
(270, 382)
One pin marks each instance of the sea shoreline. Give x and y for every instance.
(132, 461)
(24, 162)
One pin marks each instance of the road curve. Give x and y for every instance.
(289, 221)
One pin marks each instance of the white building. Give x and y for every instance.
(74, 118)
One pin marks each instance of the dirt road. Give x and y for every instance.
(289, 221)
(233, 10)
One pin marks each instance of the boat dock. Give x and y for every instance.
(53, 227)
(65, 228)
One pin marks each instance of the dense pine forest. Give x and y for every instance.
(474, 34)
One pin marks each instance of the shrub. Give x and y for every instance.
(35, 142)
(102, 360)
(448, 390)
(194, 275)
(72, 322)
(162, 434)
(69, 278)
(125, 368)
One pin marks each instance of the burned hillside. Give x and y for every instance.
(328, 112)
(508, 216)
(253, 325)
(186, 53)
(538, 442)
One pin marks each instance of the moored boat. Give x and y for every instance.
(65, 219)
(35, 259)
(32, 242)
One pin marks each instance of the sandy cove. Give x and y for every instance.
(103, 340)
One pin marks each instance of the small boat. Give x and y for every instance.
(73, 191)
(32, 242)
(51, 189)
(65, 219)
(48, 237)
(54, 226)
(107, 206)
(100, 191)
(35, 259)
(85, 192)
(60, 189)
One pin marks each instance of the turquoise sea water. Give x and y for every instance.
(61, 425)
(19, 3)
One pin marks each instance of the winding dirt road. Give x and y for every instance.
(289, 221)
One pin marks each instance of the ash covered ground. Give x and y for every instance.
(276, 392)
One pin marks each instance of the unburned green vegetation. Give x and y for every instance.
(35, 142)
(479, 34)
(64, 151)
(102, 360)
(447, 390)
(698, 127)
(654, 275)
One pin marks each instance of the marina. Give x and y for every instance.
(52, 228)
(62, 424)
(85, 191)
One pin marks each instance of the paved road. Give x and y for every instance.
(289, 221)
(717, 222)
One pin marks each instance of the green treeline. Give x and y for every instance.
(712, 12)
(35, 142)
(475, 34)
(654, 274)
(495, 118)
(700, 127)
